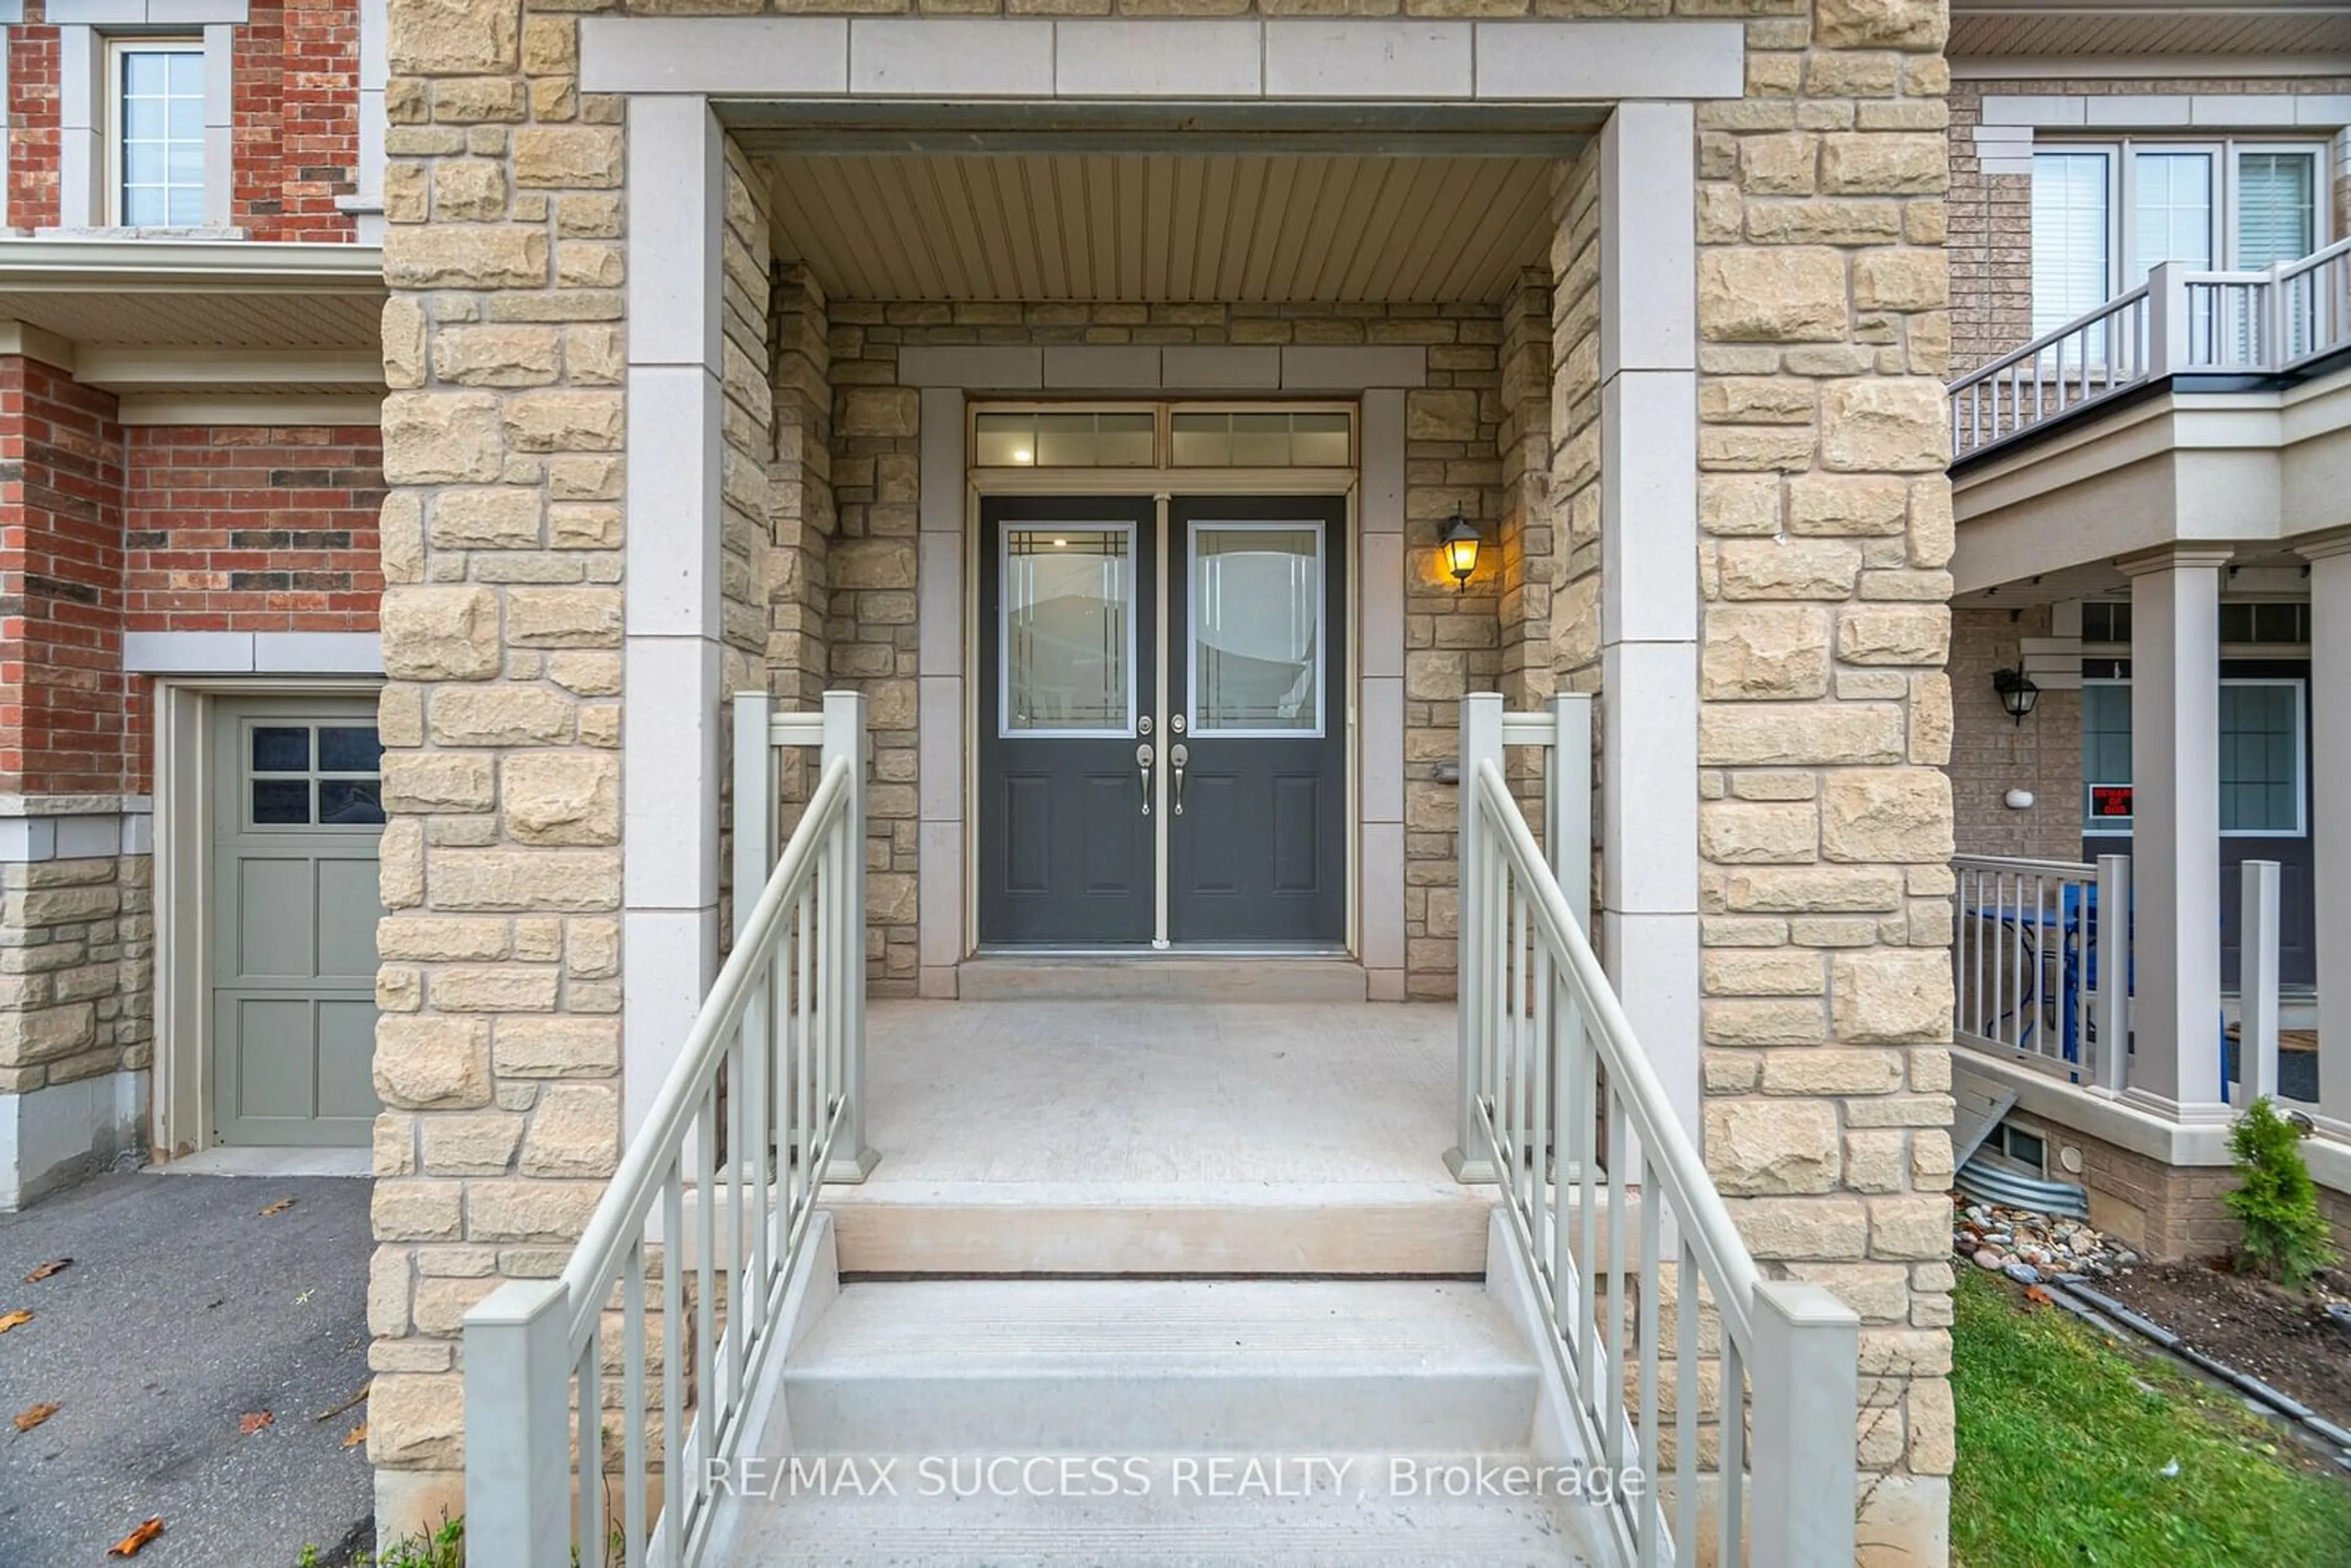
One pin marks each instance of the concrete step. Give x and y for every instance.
(1166, 1366)
(1400, 1228)
(1157, 977)
(1359, 1524)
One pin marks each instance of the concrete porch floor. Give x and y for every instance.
(1074, 1137)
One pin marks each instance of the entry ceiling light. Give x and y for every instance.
(1460, 542)
(2017, 691)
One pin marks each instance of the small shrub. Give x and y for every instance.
(444, 1548)
(2285, 1236)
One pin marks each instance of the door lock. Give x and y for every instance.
(1142, 755)
(1176, 725)
(1178, 756)
(1142, 724)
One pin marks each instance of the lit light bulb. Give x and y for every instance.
(1020, 455)
(1060, 544)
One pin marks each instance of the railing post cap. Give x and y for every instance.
(1804, 1304)
(516, 1303)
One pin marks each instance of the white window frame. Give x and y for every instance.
(2122, 190)
(2301, 828)
(118, 52)
(1194, 647)
(2123, 828)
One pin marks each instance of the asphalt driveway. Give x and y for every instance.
(184, 1311)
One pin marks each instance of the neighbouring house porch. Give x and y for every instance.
(2152, 694)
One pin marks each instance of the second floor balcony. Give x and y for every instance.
(2203, 406)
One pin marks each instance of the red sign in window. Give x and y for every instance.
(2110, 800)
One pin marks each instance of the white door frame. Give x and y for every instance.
(181, 1104)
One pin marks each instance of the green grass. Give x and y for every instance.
(2063, 1442)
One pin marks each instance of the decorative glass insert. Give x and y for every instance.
(1257, 629)
(280, 802)
(2261, 758)
(1068, 625)
(1276, 439)
(1105, 439)
(350, 749)
(161, 134)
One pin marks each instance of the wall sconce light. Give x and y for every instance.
(2017, 691)
(1460, 542)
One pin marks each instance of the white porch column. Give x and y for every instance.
(2175, 828)
(1649, 611)
(2330, 762)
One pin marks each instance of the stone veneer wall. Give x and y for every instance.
(1991, 215)
(1454, 461)
(1825, 714)
(1992, 753)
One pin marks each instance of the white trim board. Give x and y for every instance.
(252, 654)
(2137, 111)
(1203, 368)
(1310, 60)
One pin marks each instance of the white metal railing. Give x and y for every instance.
(2032, 944)
(2179, 322)
(761, 1107)
(1568, 1116)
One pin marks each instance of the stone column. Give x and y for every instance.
(2330, 765)
(2176, 830)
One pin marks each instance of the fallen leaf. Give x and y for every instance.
(255, 1420)
(130, 1545)
(2036, 1296)
(356, 1435)
(35, 1417)
(354, 1399)
(15, 1320)
(48, 1269)
(280, 1207)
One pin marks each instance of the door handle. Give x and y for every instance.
(1178, 754)
(1142, 755)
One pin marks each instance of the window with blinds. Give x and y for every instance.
(2105, 215)
(2277, 206)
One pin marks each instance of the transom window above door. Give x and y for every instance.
(2105, 215)
(1160, 436)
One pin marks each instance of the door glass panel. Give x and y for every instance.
(1257, 632)
(2173, 211)
(1068, 631)
(280, 750)
(355, 749)
(281, 800)
(344, 801)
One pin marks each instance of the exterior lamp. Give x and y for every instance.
(2017, 691)
(1459, 541)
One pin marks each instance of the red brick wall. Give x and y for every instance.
(105, 531)
(61, 709)
(297, 121)
(246, 529)
(33, 125)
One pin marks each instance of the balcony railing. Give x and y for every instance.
(2277, 321)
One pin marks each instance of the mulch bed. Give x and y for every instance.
(2284, 1338)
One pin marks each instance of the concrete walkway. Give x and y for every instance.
(185, 1308)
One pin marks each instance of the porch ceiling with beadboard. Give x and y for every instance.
(1242, 226)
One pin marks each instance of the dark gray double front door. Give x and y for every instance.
(1162, 721)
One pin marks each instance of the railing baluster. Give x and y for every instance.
(1653, 1203)
(1687, 1391)
(1515, 1050)
(677, 1486)
(1730, 1462)
(1587, 1218)
(592, 1546)
(705, 1306)
(1547, 1171)
(737, 1312)
(1613, 1379)
(634, 1475)
(759, 1051)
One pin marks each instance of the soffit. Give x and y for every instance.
(114, 317)
(1237, 225)
(2026, 29)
